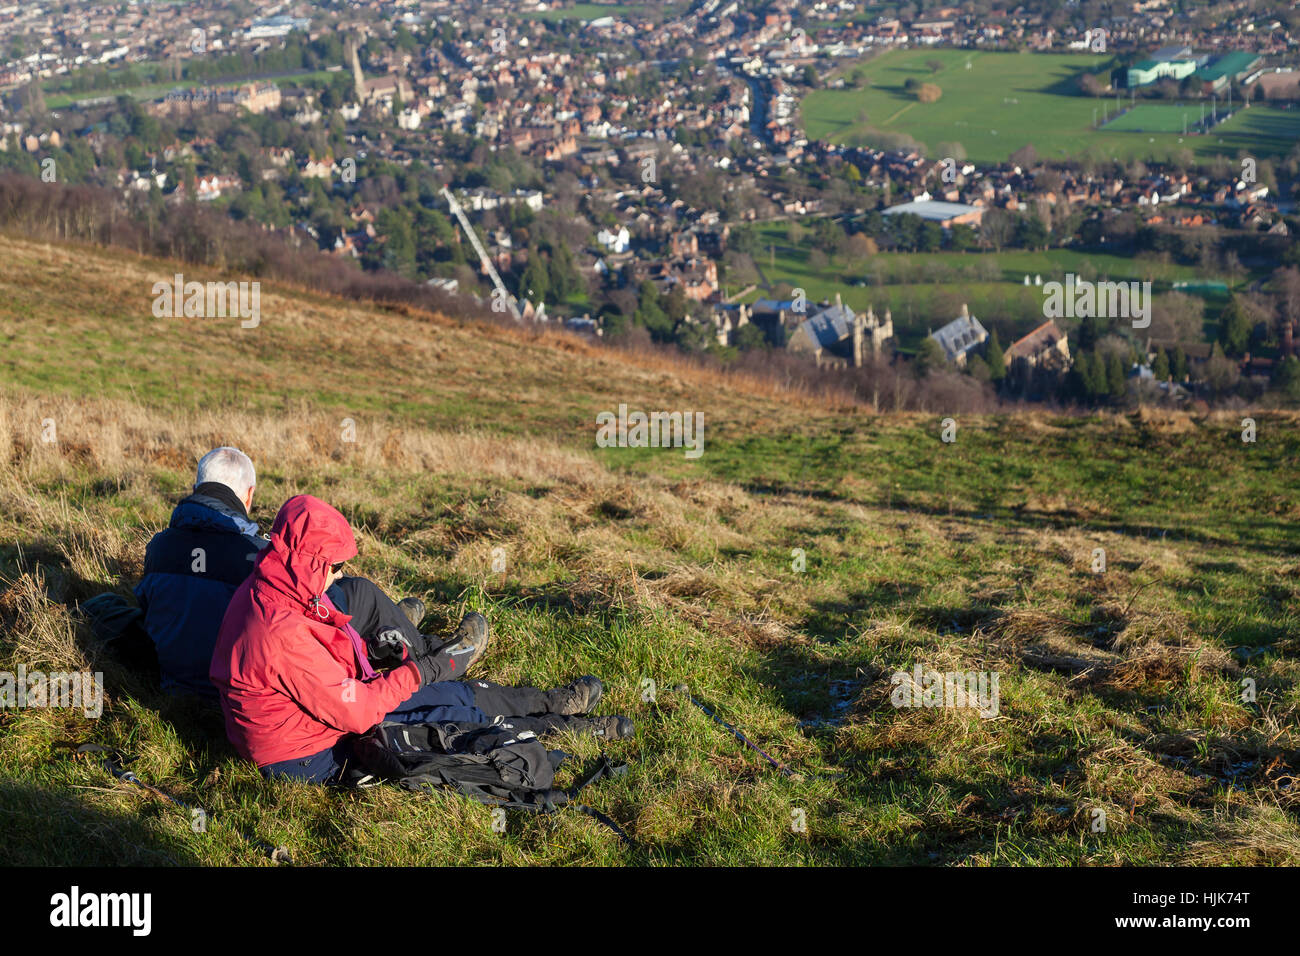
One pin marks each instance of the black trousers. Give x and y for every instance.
(480, 703)
(371, 609)
(523, 708)
(373, 612)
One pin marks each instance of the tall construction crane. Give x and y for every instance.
(484, 258)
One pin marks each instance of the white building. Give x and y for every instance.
(615, 241)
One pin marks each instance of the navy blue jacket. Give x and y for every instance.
(191, 571)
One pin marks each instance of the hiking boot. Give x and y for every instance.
(612, 728)
(413, 608)
(469, 642)
(580, 697)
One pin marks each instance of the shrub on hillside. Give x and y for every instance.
(929, 93)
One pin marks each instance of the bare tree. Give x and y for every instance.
(997, 228)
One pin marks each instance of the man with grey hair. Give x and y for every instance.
(230, 468)
(193, 567)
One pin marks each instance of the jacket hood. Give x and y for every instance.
(307, 537)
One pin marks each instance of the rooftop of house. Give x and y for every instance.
(829, 325)
(1043, 337)
(960, 335)
(932, 209)
(1229, 64)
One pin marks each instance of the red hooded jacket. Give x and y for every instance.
(285, 667)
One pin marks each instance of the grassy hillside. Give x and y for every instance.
(1004, 101)
(1119, 692)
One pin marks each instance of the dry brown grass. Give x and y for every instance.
(117, 436)
(113, 287)
(581, 520)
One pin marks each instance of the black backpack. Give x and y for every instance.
(487, 763)
(492, 764)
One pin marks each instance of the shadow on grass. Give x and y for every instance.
(1258, 533)
(831, 622)
(130, 670)
(48, 827)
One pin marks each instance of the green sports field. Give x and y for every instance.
(587, 12)
(1003, 101)
(151, 91)
(1157, 118)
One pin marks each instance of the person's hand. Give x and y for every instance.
(390, 647)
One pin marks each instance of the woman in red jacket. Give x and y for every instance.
(295, 683)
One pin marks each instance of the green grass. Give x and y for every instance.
(593, 11)
(1009, 100)
(1119, 691)
(151, 91)
(1157, 118)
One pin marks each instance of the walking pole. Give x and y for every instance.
(683, 689)
(111, 763)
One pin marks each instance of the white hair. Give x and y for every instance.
(227, 466)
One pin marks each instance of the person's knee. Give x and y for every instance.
(447, 693)
(356, 589)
